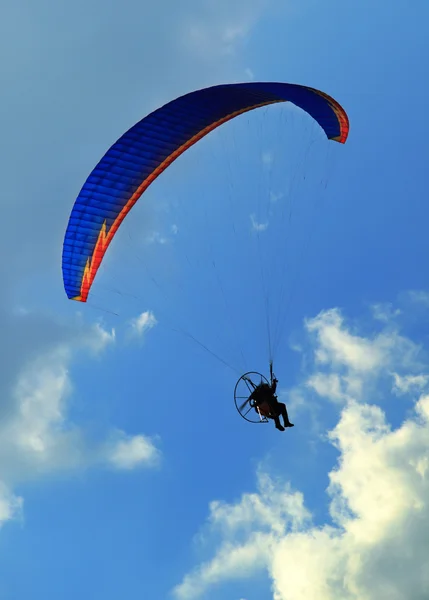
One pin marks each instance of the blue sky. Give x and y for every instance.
(124, 467)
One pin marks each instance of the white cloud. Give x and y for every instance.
(257, 226)
(143, 322)
(339, 347)
(295, 398)
(376, 544)
(219, 28)
(257, 518)
(231, 562)
(130, 452)
(279, 509)
(10, 505)
(100, 338)
(419, 297)
(156, 237)
(403, 385)
(385, 312)
(327, 385)
(36, 438)
(347, 364)
(36, 435)
(40, 396)
(380, 509)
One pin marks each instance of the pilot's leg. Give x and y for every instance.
(283, 412)
(278, 424)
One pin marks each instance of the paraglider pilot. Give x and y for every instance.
(265, 399)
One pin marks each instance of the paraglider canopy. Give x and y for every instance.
(149, 147)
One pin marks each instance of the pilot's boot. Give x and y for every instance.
(278, 426)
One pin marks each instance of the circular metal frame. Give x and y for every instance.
(241, 401)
